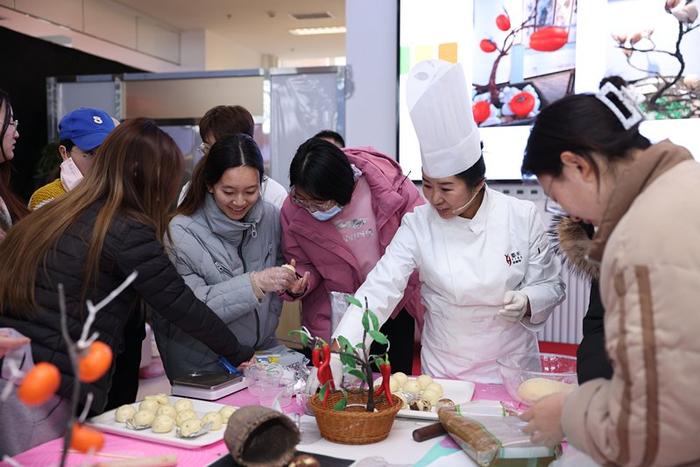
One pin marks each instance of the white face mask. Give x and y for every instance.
(464, 207)
(70, 174)
(328, 214)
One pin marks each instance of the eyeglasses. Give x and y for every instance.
(310, 205)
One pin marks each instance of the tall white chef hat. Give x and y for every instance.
(441, 111)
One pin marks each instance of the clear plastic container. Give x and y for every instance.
(549, 373)
(271, 383)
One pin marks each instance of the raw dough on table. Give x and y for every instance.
(534, 389)
(124, 413)
(163, 424)
(149, 405)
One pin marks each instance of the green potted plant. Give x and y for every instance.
(353, 416)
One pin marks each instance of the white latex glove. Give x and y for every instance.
(275, 279)
(514, 306)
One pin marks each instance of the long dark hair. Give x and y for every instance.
(230, 152)
(322, 170)
(14, 204)
(137, 173)
(582, 124)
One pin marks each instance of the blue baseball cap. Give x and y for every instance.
(87, 128)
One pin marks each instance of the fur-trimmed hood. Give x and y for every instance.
(572, 241)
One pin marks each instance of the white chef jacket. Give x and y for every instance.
(466, 266)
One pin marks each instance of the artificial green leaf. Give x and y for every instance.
(353, 301)
(322, 392)
(347, 360)
(375, 320)
(303, 336)
(358, 374)
(341, 404)
(345, 344)
(378, 337)
(365, 321)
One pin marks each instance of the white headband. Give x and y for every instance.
(624, 101)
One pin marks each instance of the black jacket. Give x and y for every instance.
(128, 246)
(572, 241)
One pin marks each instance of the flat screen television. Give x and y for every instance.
(521, 55)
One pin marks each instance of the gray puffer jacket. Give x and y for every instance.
(215, 256)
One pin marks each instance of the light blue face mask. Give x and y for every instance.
(323, 216)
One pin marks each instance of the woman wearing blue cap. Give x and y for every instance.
(81, 132)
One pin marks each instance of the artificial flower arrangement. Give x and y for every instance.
(353, 416)
(90, 360)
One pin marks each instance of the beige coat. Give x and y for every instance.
(649, 241)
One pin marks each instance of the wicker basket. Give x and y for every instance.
(355, 425)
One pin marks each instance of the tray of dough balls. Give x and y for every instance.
(422, 396)
(177, 421)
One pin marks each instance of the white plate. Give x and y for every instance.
(106, 422)
(458, 391)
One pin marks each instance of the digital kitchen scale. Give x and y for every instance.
(208, 386)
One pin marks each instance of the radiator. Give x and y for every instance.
(565, 323)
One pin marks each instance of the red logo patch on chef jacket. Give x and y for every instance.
(513, 258)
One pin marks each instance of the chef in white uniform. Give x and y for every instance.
(489, 279)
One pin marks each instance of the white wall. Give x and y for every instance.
(370, 116)
(223, 54)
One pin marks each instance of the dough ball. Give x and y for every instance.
(168, 410)
(124, 413)
(400, 378)
(423, 381)
(149, 406)
(394, 385)
(183, 404)
(163, 424)
(190, 427)
(431, 396)
(435, 387)
(445, 404)
(421, 404)
(215, 419)
(143, 418)
(534, 389)
(226, 413)
(161, 398)
(411, 387)
(184, 415)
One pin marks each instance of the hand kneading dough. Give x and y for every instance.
(183, 404)
(226, 413)
(168, 410)
(124, 413)
(214, 418)
(535, 389)
(185, 415)
(162, 424)
(143, 418)
(190, 427)
(149, 405)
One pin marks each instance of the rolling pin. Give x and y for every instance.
(428, 432)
